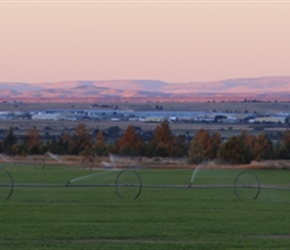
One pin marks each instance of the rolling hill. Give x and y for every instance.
(263, 88)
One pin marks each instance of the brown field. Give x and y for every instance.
(259, 107)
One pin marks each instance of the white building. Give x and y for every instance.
(45, 116)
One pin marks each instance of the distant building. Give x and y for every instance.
(156, 119)
(268, 119)
(46, 116)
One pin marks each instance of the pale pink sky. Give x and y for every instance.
(182, 41)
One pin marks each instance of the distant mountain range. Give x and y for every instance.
(263, 88)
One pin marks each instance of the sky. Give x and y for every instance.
(172, 41)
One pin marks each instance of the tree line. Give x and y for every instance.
(204, 146)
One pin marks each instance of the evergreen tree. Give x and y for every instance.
(180, 147)
(281, 152)
(9, 141)
(63, 144)
(234, 151)
(1, 147)
(52, 147)
(284, 149)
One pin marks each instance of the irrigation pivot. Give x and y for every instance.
(6, 184)
(247, 185)
(128, 185)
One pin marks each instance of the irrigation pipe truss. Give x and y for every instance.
(119, 184)
(48, 185)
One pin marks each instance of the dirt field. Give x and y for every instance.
(259, 107)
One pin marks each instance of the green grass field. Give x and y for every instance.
(67, 217)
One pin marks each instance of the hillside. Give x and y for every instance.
(263, 88)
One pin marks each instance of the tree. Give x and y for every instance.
(180, 147)
(162, 143)
(113, 131)
(51, 146)
(281, 152)
(33, 141)
(199, 149)
(130, 143)
(234, 151)
(203, 146)
(216, 141)
(284, 149)
(1, 147)
(9, 141)
(80, 141)
(99, 147)
(63, 143)
(263, 148)
(250, 141)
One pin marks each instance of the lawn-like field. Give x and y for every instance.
(172, 216)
